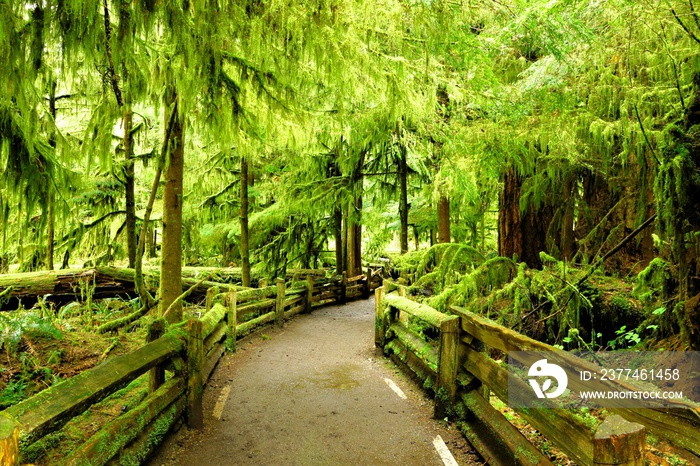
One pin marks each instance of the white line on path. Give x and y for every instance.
(444, 452)
(221, 402)
(396, 388)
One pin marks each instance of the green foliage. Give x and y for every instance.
(15, 325)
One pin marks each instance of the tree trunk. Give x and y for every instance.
(50, 229)
(129, 187)
(567, 224)
(523, 236)
(245, 253)
(171, 249)
(350, 243)
(338, 232)
(50, 219)
(403, 200)
(416, 237)
(358, 237)
(443, 213)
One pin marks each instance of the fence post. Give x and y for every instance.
(379, 325)
(211, 292)
(156, 376)
(9, 441)
(309, 293)
(447, 366)
(262, 283)
(232, 318)
(368, 283)
(279, 304)
(620, 442)
(195, 415)
(344, 288)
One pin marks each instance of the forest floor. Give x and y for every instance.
(314, 393)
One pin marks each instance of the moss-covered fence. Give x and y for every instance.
(450, 354)
(178, 360)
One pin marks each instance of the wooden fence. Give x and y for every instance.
(178, 361)
(458, 370)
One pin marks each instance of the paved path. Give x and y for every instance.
(313, 393)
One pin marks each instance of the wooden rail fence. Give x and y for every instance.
(178, 361)
(461, 375)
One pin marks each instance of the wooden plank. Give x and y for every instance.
(255, 294)
(407, 360)
(138, 451)
(558, 425)
(212, 359)
(212, 319)
(416, 345)
(294, 311)
(215, 337)
(246, 327)
(292, 301)
(48, 410)
(494, 437)
(252, 307)
(423, 312)
(677, 423)
(107, 442)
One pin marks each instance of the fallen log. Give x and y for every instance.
(63, 286)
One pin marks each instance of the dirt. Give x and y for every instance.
(314, 393)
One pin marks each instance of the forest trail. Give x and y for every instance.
(314, 393)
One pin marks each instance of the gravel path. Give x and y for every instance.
(313, 393)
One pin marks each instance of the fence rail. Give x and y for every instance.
(179, 362)
(461, 375)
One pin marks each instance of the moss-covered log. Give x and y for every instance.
(138, 451)
(427, 353)
(106, 443)
(62, 286)
(253, 307)
(53, 407)
(412, 364)
(211, 319)
(122, 321)
(215, 336)
(246, 327)
(212, 359)
(423, 312)
(255, 294)
(294, 311)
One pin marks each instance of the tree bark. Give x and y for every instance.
(245, 253)
(521, 235)
(50, 218)
(403, 200)
(171, 250)
(338, 232)
(443, 213)
(129, 196)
